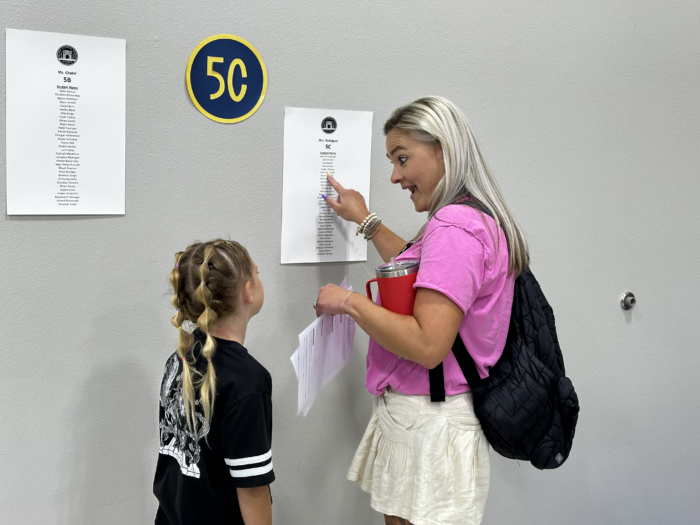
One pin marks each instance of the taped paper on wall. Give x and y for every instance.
(317, 142)
(66, 122)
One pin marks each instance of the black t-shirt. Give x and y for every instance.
(196, 477)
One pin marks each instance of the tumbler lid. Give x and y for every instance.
(401, 268)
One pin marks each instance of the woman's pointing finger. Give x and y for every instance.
(336, 185)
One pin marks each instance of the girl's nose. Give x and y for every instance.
(395, 177)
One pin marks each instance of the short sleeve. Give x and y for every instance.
(246, 437)
(453, 263)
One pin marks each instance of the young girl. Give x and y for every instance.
(215, 462)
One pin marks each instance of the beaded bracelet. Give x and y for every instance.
(363, 225)
(370, 227)
(367, 219)
(370, 224)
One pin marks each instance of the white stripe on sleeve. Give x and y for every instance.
(249, 461)
(248, 472)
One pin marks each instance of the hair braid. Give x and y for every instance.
(183, 345)
(205, 321)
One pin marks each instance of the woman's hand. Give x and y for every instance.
(330, 299)
(350, 204)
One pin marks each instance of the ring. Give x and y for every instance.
(314, 305)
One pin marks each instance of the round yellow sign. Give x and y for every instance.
(226, 78)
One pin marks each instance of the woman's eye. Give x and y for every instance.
(402, 160)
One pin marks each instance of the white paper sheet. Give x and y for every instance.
(65, 124)
(311, 231)
(325, 348)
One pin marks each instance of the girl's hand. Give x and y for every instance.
(330, 299)
(350, 204)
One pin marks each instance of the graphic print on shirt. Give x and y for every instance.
(176, 439)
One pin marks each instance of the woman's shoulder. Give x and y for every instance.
(464, 217)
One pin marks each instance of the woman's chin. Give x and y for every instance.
(419, 207)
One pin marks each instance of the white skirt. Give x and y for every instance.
(425, 462)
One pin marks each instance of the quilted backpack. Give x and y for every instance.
(527, 407)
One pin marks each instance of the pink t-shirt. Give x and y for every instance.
(460, 259)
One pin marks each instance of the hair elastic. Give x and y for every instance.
(177, 266)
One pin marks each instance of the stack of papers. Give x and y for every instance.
(325, 348)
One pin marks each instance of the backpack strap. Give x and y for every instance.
(464, 360)
(436, 377)
(466, 363)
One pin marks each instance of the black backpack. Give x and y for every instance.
(527, 407)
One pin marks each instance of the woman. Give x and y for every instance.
(428, 463)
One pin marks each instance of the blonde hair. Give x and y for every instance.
(436, 120)
(206, 280)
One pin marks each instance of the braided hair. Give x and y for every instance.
(206, 280)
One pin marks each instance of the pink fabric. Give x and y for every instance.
(459, 259)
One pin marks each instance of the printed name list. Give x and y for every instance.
(326, 215)
(66, 124)
(67, 154)
(318, 142)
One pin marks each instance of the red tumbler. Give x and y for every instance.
(395, 281)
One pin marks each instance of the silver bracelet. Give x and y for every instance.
(362, 228)
(372, 229)
(370, 222)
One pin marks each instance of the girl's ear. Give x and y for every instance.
(247, 293)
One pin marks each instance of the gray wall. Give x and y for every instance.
(589, 115)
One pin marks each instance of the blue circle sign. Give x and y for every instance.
(226, 78)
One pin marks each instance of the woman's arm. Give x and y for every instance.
(352, 207)
(387, 243)
(255, 504)
(426, 337)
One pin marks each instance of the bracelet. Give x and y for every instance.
(346, 298)
(365, 221)
(371, 225)
(374, 230)
(363, 225)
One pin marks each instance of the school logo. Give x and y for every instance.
(329, 125)
(67, 55)
(226, 78)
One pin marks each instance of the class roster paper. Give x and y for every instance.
(316, 142)
(65, 124)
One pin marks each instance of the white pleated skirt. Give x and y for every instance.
(425, 462)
